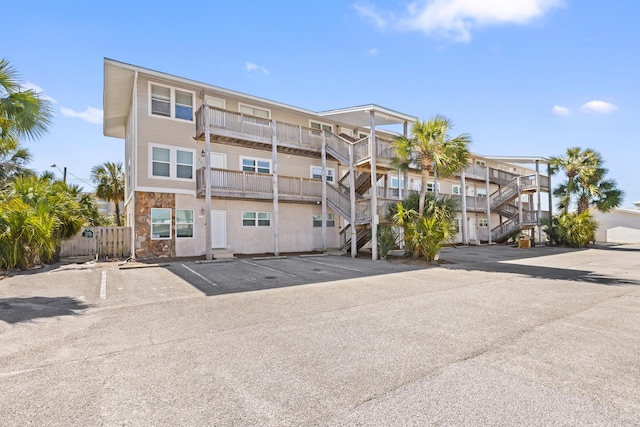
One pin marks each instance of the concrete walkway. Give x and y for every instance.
(500, 336)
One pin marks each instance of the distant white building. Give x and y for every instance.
(618, 225)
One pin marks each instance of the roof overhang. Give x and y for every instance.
(361, 116)
(118, 90)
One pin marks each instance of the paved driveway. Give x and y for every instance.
(500, 336)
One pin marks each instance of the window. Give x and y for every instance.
(481, 163)
(316, 173)
(430, 187)
(456, 189)
(170, 162)
(184, 223)
(160, 224)
(320, 126)
(161, 158)
(256, 219)
(250, 164)
(160, 100)
(394, 182)
(184, 164)
(184, 105)
(456, 222)
(317, 220)
(254, 111)
(482, 222)
(482, 192)
(166, 101)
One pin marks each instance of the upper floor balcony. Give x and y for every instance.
(242, 129)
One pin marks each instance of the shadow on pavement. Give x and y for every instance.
(504, 260)
(16, 310)
(247, 275)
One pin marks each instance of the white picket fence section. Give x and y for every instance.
(105, 242)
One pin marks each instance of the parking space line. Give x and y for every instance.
(200, 275)
(103, 285)
(330, 265)
(268, 268)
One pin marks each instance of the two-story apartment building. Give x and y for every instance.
(210, 168)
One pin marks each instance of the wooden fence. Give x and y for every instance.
(103, 242)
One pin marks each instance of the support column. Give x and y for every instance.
(550, 199)
(352, 199)
(488, 207)
(374, 189)
(465, 231)
(519, 201)
(207, 182)
(274, 183)
(539, 219)
(324, 191)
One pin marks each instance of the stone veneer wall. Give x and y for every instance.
(145, 247)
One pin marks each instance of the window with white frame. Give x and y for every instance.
(254, 164)
(169, 102)
(481, 163)
(430, 187)
(316, 173)
(394, 182)
(456, 189)
(172, 162)
(184, 223)
(317, 220)
(456, 223)
(256, 219)
(160, 223)
(482, 222)
(320, 126)
(482, 192)
(254, 111)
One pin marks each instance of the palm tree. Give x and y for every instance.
(110, 184)
(22, 112)
(430, 148)
(585, 183)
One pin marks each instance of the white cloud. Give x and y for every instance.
(370, 13)
(560, 111)
(600, 107)
(456, 19)
(90, 115)
(37, 89)
(250, 66)
(373, 51)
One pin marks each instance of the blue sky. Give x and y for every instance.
(523, 77)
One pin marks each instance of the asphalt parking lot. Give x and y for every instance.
(496, 336)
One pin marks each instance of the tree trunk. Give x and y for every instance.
(423, 191)
(118, 213)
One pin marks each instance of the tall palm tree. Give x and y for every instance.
(585, 184)
(22, 112)
(110, 184)
(430, 148)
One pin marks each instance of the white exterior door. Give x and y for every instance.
(218, 229)
(472, 228)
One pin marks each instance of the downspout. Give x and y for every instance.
(274, 183)
(207, 182)
(374, 189)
